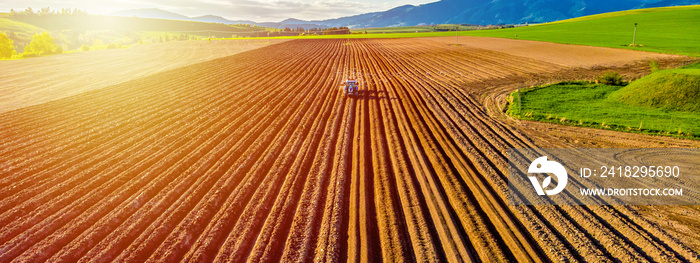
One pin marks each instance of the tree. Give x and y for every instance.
(610, 78)
(98, 44)
(114, 45)
(45, 11)
(42, 44)
(7, 50)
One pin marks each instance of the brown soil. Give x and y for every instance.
(260, 157)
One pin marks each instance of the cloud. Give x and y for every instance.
(256, 10)
(278, 10)
(261, 10)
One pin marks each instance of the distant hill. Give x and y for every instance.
(162, 14)
(96, 22)
(218, 19)
(491, 12)
(151, 13)
(73, 30)
(476, 12)
(664, 3)
(671, 89)
(661, 29)
(288, 24)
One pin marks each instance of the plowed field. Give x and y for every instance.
(260, 157)
(26, 82)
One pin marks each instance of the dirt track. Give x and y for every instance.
(263, 158)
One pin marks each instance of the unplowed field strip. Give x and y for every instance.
(259, 156)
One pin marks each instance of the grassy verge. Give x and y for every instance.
(589, 105)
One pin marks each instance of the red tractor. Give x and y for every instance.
(351, 87)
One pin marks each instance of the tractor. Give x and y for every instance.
(351, 87)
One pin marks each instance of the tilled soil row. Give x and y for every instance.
(259, 156)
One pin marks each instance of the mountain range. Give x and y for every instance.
(478, 12)
(162, 14)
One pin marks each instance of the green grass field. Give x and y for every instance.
(665, 102)
(409, 29)
(671, 30)
(24, 29)
(666, 30)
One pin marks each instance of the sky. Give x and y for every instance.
(256, 10)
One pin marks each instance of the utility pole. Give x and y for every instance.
(457, 36)
(634, 37)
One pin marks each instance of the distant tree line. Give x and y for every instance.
(46, 11)
(300, 31)
(446, 27)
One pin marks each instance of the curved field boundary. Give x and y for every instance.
(260, 157)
